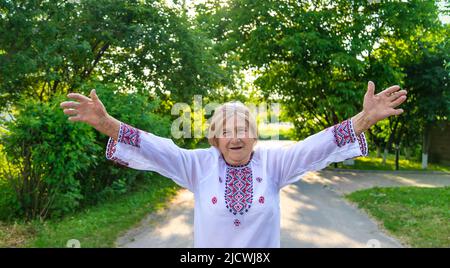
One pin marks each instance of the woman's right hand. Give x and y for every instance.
(88, 110)
(92, 112)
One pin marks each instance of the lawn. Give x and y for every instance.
(97, 226)
(419, 217)
(372, 162)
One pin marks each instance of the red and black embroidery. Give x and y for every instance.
(110, 150)
(238, 189)
(120, 161)
(237, 222)
(344, 134)
(214, 200)
(259, 179)
(129, 135)
(261, 199)
(363, 144)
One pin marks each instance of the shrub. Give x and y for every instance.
(108, 179)
(55, 166)
(45, 152)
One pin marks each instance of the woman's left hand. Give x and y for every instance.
(379, 106)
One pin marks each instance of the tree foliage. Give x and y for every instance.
(316, 57)
(50, 46)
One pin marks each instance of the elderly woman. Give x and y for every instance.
(236, 187)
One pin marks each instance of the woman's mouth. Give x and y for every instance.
(236, 148)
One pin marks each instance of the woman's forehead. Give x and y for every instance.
(235, 122)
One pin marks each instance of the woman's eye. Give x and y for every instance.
(242, 131)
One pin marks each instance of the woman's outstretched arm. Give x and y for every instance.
(138, 149)
(337, 143)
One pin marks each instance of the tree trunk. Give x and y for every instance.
(425, 147)
(385, 154)
(407, 152)
(397, 153)
(391, 139)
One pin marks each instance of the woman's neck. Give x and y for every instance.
(242, 162)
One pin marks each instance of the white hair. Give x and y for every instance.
(231, 110)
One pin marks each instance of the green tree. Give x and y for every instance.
(316, 56)
(429, 82)
(50, 47)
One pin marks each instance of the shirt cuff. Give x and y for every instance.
(111, 149)
(127, 135)
(345, 134)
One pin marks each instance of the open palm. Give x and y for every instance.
(382, 105)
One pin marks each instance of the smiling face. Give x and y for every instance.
(233, 131)
(236, 144)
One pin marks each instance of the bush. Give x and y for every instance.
(56, 166)
(45, 152)
(108, 180)
(9, 204)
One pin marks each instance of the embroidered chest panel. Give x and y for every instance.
(238, 189)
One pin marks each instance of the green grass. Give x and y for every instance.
(97, 226)
(375, 163)
(419, 217)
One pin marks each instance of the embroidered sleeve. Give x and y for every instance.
(345, 134)
(141, 150)
(334, 144)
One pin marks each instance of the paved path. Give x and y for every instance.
(314, 214)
